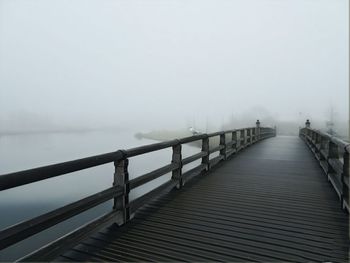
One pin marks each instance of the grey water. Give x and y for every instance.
(25, 151)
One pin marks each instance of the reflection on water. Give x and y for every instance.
(28, 151)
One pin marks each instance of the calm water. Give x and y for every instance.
(28, 151)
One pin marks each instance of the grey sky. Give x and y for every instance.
(172, 61)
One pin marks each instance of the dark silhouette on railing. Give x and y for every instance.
(123, 209)
(333, 156)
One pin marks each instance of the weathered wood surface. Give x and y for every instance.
(272, 202)
(125, 209)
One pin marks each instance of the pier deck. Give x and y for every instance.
(271, 202)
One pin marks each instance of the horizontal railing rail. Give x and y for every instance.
(332, 154)
(123, 209)
(11, 180)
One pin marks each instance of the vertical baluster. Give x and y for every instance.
(332, 154)
(234, 139)
(177, 159)
(253, 135)
(315, 141)
(205, 148)
(121, 203)
(249, 138)
(307, 131)
(223, 144)
(344, 179)
(322, 147)
(241, 139)
(318, 145)
(323, 159)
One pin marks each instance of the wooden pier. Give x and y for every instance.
(258, 200)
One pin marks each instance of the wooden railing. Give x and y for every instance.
(123, 209)
(333, 156)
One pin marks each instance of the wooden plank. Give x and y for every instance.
(55, 248)
(140, 201)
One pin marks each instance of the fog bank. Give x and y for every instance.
(168, 64)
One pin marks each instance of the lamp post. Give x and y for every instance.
(307, 123)
(257, 132)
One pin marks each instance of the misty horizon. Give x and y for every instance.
(151, 65)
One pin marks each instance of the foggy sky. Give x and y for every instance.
(168, 63)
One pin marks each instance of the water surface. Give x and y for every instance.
(20, 152)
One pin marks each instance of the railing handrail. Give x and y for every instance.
(11, 180)
(334, 163)
(334, 139)
(15, 179)
(122, 209)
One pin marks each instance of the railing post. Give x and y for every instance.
(177, 159)
(205, 148)
(313, 137)
(223, 143)
(332, 150)
(253, 135)
(234, 138)
(332, 154)
(249, 138)
(121, 203)
(318, 145)
(317, 139)
(344, 178)
(257, 130)
(307, 131)
(241, 139)
(322, 147)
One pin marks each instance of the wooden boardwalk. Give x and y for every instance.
(272, 202)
